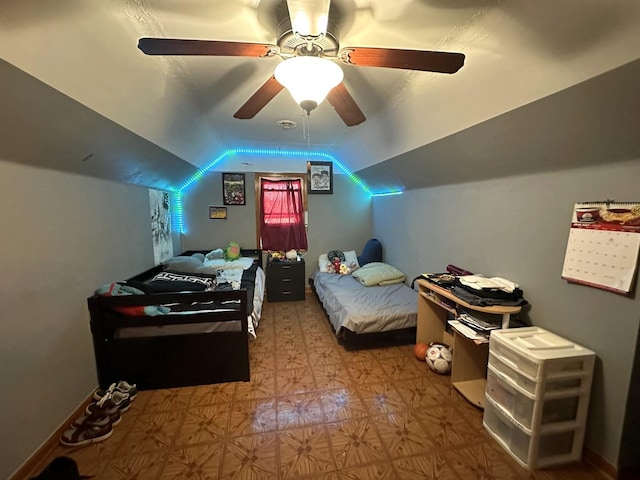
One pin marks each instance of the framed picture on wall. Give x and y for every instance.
(320, 177)
(233, 192)
(217, 213)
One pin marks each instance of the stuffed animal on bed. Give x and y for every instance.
(338, 267)
(232, 252)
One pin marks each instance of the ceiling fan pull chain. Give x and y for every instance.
(306, 128)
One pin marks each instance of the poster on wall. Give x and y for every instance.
(320, 177)
(233, 192)
(160, 226)
(602, 250)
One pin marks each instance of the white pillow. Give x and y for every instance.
(351, 259)
(323, 261)
(184, 264)
(217, 253)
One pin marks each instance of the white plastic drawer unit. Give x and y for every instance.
(537, 395)
(537, 353)
(529, 410)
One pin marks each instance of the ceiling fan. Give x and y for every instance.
(307, 37)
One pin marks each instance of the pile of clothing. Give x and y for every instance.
(485, 292)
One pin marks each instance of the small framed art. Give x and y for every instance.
(233, 192)
(217, 213)
(320, 177)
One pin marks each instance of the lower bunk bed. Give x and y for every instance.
(368, 309)
(163, 338)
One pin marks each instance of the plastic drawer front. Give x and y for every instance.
(553, 382)
(562, 406)
(532, 451)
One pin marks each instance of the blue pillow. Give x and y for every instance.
(372, 252)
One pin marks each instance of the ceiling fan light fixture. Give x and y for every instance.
(308, 79)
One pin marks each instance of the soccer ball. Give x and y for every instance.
(438, 357)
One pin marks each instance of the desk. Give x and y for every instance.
(469, 364)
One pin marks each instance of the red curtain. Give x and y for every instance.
(282, 215)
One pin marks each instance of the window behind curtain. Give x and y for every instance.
(282, 214)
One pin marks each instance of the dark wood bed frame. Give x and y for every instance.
(173, 360)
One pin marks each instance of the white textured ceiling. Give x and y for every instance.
(516, 51)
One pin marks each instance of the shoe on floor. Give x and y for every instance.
(85, 434)
(93, 419)
(105, 409)
(121, 400)
(122, 386)
(61, 468)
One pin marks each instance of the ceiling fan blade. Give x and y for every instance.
(345, 106)
(309, 18)
(258, 100)
(175, 46)
(425, 60)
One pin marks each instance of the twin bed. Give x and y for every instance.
(162, 329)
(371, 300)
(157, 332)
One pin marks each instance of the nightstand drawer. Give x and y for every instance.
(286, 270)
(285, 281)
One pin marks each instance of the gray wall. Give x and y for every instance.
(201, 233)
(517, 228)
(63, 235)
(339, 221)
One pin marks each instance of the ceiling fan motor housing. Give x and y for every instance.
(292, 44)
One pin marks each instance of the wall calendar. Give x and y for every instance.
(604, 240)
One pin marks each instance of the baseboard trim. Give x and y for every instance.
(598, 461)
(33, 465)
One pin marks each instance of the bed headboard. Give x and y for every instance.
(254, 253)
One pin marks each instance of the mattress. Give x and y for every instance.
(360, 309)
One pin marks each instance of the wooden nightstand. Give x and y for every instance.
(285, 281)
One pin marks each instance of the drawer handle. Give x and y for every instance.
(286, 280)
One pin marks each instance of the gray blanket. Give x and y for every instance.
(361, 309)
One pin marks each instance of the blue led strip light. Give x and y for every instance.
(386, 194)
(265, 152)
(177, 211)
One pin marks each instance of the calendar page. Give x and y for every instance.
(603, 245)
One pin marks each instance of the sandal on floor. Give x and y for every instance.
(122, 386)
(85, 434)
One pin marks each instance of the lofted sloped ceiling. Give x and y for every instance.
(154, 120)
(594, 122)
